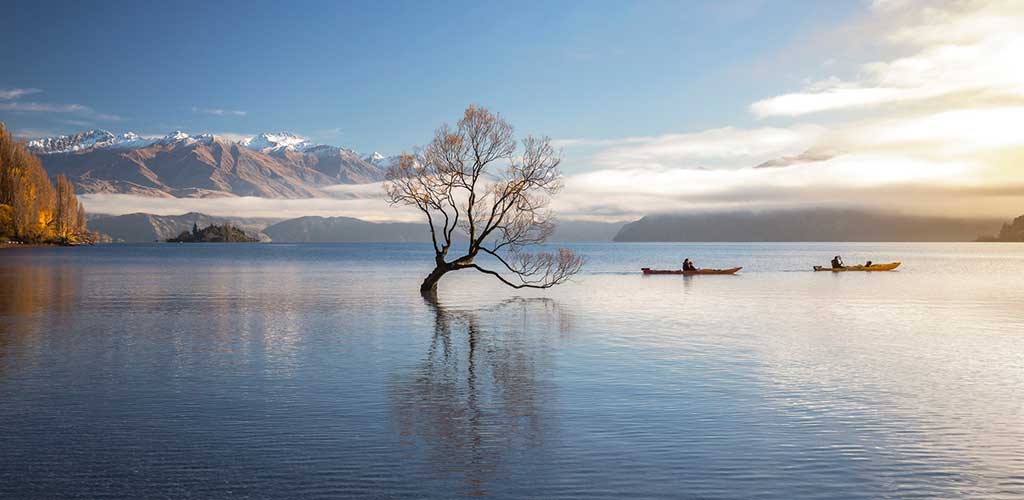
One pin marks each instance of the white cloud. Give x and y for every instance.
(34, 133)
(10, 94)
(902, 183)
(727, 146)
(957, 132)
(42, 107)
(372, 209)
(971, 47)
(107, 117)
(218, 111)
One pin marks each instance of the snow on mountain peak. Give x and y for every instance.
(379, 160)
(73, 142)
(176, 136)
(277, 141)
(129, 140)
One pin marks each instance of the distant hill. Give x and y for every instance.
(344, 230)
(147, 228)
(350, 230)
(804, 225)
(1012, 232)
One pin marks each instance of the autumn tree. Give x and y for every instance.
(31, 210)
(478, 182)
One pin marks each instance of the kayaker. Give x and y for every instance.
(837, 262)
(688, 266)
(868, 264)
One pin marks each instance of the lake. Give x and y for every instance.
(318, 371)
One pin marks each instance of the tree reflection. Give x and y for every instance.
(28, 291)
(484, 388)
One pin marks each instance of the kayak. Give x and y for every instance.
(647, 270)
(872, 267)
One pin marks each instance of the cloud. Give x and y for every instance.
(34, 133)
(953, 132)
(76, 123)
(364, 201)
(872, 181)
(809, 156)
(728, 146)
(956, 48)
(375, 209)
(958, 158)
(11, 94)
(41, 107)
(940, 134)
(106, 117)
(218, 111)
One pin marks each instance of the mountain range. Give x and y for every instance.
(147, 228)
(790, 225)
(804, 225)
(270, 165)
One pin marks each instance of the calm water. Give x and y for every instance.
(318, 371)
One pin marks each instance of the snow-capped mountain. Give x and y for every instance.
(267, 142)
(131, 140)
(380, 160)
(97, 139)
(275, 165)
(85, 140)
(277, 141)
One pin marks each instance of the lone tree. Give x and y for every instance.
(474, 179)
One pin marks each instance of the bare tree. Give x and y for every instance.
(473, 179)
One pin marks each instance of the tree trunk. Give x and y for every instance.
(430, 283)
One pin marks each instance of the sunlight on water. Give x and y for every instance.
(315, 371)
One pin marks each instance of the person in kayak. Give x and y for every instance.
(868, 264)
(837, 262)
(688, 266)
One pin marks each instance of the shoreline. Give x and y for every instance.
(35, 245)
(26, 245)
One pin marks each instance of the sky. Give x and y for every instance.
(899, 105)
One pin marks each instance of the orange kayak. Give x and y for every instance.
(873, 267)
(647, 270)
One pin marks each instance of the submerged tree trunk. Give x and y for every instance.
(430, 282)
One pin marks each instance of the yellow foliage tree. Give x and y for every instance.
(31, 209)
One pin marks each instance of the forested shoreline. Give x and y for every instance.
(34, 209)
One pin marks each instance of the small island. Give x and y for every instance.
(213, 234)
(1012, 232)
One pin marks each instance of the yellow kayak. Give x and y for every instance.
(872, 267)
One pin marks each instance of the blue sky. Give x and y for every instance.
(899, 105)
(382, 75)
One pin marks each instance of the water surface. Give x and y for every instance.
(318, 371)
